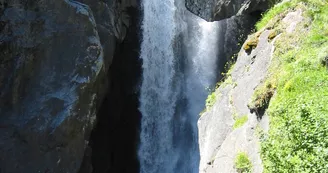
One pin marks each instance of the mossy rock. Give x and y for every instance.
(261, 100)
(324, 61)
(273, 34)
(252, 42)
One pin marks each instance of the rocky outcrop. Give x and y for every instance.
(219, 143)
(233, 33)
(214, 10)
(220, 140)
(54, 62)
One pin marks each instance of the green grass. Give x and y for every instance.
(242, 163)
(240, 121)
(298, 135)
(275, 12)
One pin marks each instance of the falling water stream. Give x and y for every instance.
(180, 57)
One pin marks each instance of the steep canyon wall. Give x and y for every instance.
(56, 66)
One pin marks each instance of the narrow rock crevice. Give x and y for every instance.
(114, 139)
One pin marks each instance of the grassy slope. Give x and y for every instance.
(298, 136)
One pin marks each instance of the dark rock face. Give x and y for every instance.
(214, 10)
(114, 141)
(54, 62)
(234, 32)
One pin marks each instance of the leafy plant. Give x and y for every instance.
(242, 163)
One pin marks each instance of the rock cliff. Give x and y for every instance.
(214, 10)
(232, 126)
(219, 142)
(55, 58)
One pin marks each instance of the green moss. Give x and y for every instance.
(261, 99)
(240, 121)
(273, 33)
(242, 163)
(251, 43)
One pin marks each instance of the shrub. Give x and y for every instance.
(242, 163)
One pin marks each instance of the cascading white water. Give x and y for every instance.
(158, 96)
(202, 55)
(179, 53)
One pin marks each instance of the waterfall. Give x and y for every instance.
(179, 53)
(202, 54)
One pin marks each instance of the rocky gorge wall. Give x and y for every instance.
(114, 140)
(58, 61)
(215, 10)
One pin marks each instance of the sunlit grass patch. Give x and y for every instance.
(297, 139)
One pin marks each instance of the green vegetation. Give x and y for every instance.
(273, 34)
(240, 121)
(277, 12)
(295, 93)
(242, 163)
(251, 42)
(297, 140)
(210, 100)
(261, 99)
